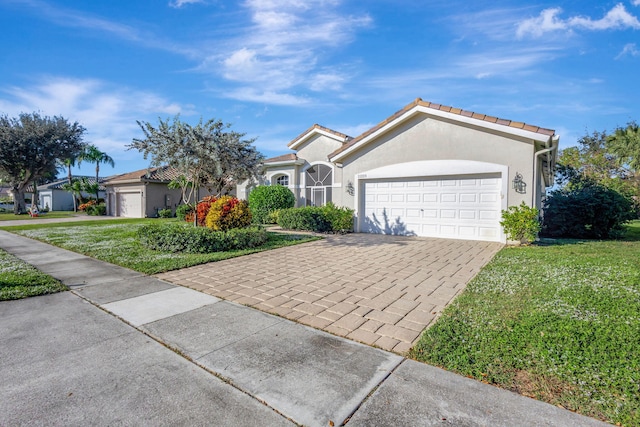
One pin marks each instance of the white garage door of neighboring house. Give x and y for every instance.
(459, 207)
(129, 205)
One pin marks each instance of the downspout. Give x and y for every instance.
(554, 140)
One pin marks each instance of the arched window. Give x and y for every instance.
(282, 180)
(319, 179)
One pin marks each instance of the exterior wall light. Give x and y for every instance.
(518, 184)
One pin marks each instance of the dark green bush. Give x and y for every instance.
(96, 210)
(589, 211)
(265, 199)
(165, 213)
(180, 237)
(340, 218)
(183, 210)
(328, 218)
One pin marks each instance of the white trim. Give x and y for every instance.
(445, 115)
(432, 168)
(301, 140)
(304, 179)
(276, 174)
(297, 162)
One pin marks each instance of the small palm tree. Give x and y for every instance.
(92, 154)
(75, 188)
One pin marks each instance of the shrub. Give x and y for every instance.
(165, 213)
(589, 211)
(521, 223)
(340, 218)
(328, 218)
(178, 237)
(202, 209)
(265, 199)
(96, 210)
(228, 212)
(84, 206)
(182, 211)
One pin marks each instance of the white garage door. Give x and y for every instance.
(458, 207)
(130, 205)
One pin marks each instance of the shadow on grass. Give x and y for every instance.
(632, 235)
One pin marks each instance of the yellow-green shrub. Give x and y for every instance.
(227, 213)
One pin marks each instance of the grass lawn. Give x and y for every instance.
(9, 216)
(115, 242)
(558, 321)
(20, 280)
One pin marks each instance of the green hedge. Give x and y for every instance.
(326, 219)
(181, 237)
(96, 210)
(266, 199)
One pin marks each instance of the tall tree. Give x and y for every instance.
(590, 159)
(205, 154)
(31, 146)
(625, 143)
(92, 154)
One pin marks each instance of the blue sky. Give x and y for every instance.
(272, 68)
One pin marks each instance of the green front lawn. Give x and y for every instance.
(116, 242)
(10, 216)
(20, 280)
(558, 321)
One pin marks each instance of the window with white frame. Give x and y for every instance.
(282, 180)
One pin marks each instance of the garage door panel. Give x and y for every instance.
(129, 205)
(449, 207)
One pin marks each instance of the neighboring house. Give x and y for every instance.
(55, 198)
(428, 170)
(143, 193)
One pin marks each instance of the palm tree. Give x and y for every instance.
(92, 154)
(75, 188)
(68, 164)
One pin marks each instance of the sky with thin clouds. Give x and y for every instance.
(273, 68)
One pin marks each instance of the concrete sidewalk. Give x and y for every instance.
(66, 359)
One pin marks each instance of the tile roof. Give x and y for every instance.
(316, 126)
(57, 185)
(162, 174)
(419, 102)
(282, 158)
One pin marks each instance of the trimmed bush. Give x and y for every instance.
(590, 211)
(179, 237)
(182, 211)
(340, 218)
(228, 212)
(265, 199)
(326, 219)
(165, 213)
(96, 210)
(521, 223)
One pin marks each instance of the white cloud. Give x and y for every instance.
(108, 112)
(284, 49)
(548, 21)
(629, 49)
(635, 2)
(179, 3)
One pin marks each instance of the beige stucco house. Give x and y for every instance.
(427, 170)
(141, 193)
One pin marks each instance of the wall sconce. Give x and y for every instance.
(518, 184)
(350, 189)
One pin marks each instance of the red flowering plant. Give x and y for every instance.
(84, 206)
(203, 209)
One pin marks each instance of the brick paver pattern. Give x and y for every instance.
(378, 290)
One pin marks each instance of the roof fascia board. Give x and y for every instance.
(295, 144)
(443, 114)
(284, 163)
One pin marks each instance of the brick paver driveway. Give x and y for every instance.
(379, 290)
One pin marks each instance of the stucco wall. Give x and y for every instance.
(424, 138)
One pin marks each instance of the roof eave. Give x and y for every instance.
(523, 133)
(313, 131)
